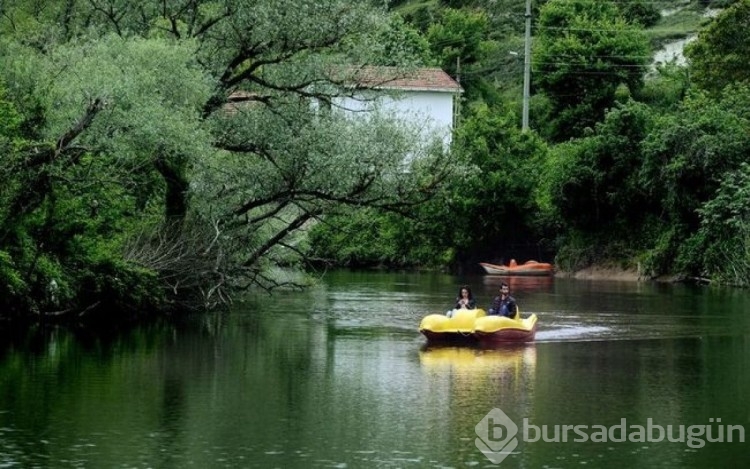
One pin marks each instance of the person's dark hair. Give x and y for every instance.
(503, 284)
(468, 289)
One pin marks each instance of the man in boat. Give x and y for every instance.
(504, 304)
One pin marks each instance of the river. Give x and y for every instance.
(338, 376)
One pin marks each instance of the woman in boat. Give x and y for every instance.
(504, 304)
(465, 299)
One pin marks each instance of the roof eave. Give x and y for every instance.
(423, 88)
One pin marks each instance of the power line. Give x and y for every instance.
(589, 64)
(489, 69)
(620, 30)
(647, 2)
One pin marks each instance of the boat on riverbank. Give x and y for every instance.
(527, 268)
(474, 325)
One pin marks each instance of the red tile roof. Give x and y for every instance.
(389, 78)
(423, 79)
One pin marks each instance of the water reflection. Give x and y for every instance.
(339, 376)
(476, 362)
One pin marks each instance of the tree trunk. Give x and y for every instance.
(176, 195)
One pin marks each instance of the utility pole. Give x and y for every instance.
(457, 96)
(526, 69)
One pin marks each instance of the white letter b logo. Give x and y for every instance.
(496, 435)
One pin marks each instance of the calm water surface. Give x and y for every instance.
(340, 377)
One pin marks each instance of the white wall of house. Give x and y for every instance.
(431, 111)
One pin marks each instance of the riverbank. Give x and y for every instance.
(603, 273)
(619, 274)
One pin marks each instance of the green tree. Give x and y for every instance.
(460, 39)
(72, 194)
(720, 55)
(584, 50)
(134, 126)
(370, 238)
(722, 244)
(593, 194)
(496, 204)
(593, 181)
(401, 44)
(641, 12)
(687, 156)
(666, 87)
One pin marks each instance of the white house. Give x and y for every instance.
(426, 97)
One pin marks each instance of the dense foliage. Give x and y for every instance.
(585, 52)
(720, 57)
(157, 157)
(640, 168)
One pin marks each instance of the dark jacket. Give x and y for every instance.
(503, 307)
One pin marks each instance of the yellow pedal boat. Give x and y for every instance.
(494, 329)
(457, 328)
(471, 325)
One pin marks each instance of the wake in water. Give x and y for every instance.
(573, 333)
(560, 327)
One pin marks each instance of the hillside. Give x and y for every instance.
(677, 24)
